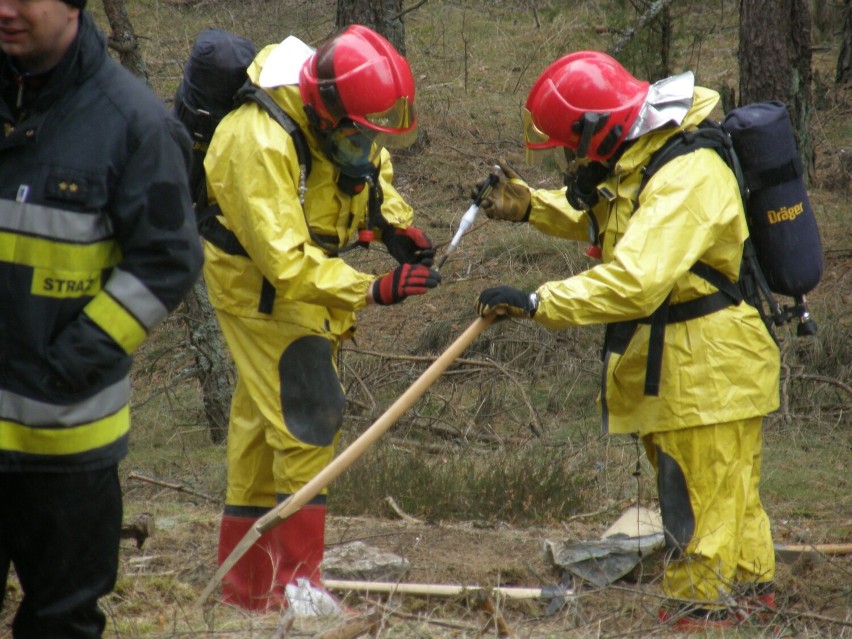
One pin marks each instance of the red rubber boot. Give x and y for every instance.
(758, 606)
(249, 584)
(300, 539)
(293, 549)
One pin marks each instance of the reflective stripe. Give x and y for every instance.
(65, 441)
(116, 321)
(23, 410)
(50, 254)
(50, 238)
(56, 224)
(132, 293)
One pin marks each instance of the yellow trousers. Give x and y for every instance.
(286, 411)
(717, 531)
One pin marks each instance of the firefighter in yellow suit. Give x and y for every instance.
(698, 405)
(285, 298)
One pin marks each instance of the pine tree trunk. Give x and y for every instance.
(844, 59)
(213, 368)
(123, 39)
(775, 62)
(384, 16)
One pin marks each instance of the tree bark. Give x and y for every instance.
(213, 368)
(844, 59)
(657, 10)
(383, 16)
(123, 39)
(775, 62)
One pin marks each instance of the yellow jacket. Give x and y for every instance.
(253, 174)
(717, 368)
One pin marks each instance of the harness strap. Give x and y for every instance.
(212, 230)
(619, 334)
(656, 339)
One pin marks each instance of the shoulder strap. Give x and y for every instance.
(253, 93)
(209, 226)
(708, 135)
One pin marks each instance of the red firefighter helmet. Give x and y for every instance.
(585, 101)
(358, 75)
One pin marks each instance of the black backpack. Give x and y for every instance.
(214, 83)
(783, 254)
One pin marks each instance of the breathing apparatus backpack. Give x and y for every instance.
(783, 254)
(215, 82)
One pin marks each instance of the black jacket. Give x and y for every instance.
(97, 245)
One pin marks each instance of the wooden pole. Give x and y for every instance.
(826, 549)
(328, 474)
(444, 590)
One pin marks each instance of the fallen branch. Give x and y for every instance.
(535, 423)
(826, 380)
(176, 487)
(351, 628)
(427, 619)
(496, 619)
(641, 23)
(594, 513)
(390, 501)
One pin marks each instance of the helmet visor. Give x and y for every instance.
(389, 139)
(566, 159)
(395, 127)
(536, 141)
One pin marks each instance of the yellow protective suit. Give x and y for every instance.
(717, 370)
(724, 543)
(253, 174)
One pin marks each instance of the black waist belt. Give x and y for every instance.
(212, 230)
(619, 334)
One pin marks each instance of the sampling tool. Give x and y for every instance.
(469, 216)
(340, 463)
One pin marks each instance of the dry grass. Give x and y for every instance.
(504, 451)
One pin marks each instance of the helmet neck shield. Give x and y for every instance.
(667, 104)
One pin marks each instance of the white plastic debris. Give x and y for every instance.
(306, 600)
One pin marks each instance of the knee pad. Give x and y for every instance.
(675, 507)
(312, 400)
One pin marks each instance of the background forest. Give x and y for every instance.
(504, 451)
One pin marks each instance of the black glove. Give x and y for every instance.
(505, 300)
(509, 199)
(409, 246)
(404, 280)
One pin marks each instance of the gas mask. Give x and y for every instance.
(581, 177)
(352, 149)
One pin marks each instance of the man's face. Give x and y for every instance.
(37, 33)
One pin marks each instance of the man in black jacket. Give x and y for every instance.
(97, 246)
